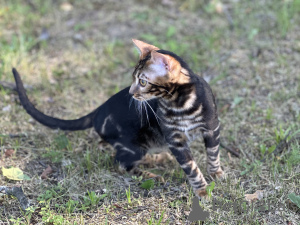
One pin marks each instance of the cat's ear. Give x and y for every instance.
(165, 62)
(143, 48)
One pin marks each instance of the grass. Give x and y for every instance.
(251, 63)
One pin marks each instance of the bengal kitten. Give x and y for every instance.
(173, 106)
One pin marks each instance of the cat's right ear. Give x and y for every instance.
(144, 48)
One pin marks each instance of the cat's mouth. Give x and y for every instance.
(138, 98)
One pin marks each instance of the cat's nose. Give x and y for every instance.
(132, 89)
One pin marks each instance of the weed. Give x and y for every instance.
(152, 220)
(54, 155)
(88, 162)
(281, 134)
(293, 158)
(175, 204)
(148, 184)
(128, 195)
(28, 213)
(51, 193)
(286, 13)
(210, 188)
(254, 32)
(92, 199)
(253, 167)
(269, 114)
(62, 142)
(139, 179)
(50, 217)
(18, 221)
(71, 206)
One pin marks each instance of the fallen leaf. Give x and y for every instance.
(219, 7)
(295, 199)
(167, 2)
(117, 206)
(46, 172)
(9, 152)
(229, 156)
(258, 195)
(14, 174)
(186, 213)
(66, 6)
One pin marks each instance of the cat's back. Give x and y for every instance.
(122, 114)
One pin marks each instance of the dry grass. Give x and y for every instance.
(249, 53)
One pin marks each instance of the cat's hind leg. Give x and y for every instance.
(128, 157)
(162, 158)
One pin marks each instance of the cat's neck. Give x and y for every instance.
(182, 98)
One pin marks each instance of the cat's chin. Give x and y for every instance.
(142, 99)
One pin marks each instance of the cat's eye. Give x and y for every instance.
(143, 83)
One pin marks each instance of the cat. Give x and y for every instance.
(171, 107)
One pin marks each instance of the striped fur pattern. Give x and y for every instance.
(167, 105)
(186, 109)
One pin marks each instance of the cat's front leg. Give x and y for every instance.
(212, 142)
(178, 145)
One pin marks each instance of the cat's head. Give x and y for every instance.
(156, 72)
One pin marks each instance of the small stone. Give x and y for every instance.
(6, 108)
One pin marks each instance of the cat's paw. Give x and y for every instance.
(219, 174)
(201, 194)
(156, 177)
(146, 175)
(159, 179)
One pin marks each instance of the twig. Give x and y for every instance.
(229, 18)
(7, 85)
(230, 150)
(33, 7)
(18, 193)
(13, 135)
(17, 135)
(12, 86)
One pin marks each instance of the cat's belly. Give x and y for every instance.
(152, 140)
(193, 133)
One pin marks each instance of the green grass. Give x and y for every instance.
(252, 66)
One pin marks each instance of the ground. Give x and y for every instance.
(72, 55)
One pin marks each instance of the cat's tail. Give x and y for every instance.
(54, 123)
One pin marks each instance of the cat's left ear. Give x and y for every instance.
(144, 48)
(165, 62)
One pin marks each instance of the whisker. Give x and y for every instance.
(146, 111)
(168, 92)
(156, 116)
(130, 102)
(137, 107)
(136, 104)
(141, 112)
